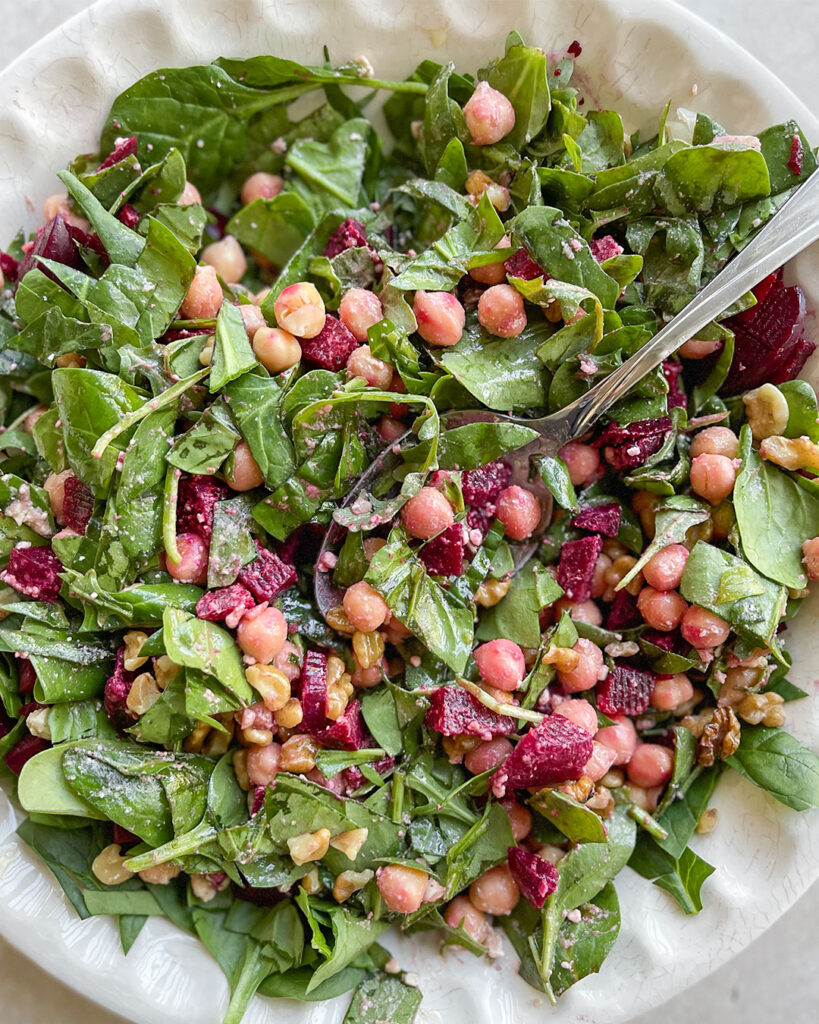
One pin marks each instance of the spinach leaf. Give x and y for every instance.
(232, 354)
(204, 447)
(207, 647)
(42, 788)
(586, 943)
(255, 406)
(777, 143)
(803, 414)
(59, 681)
(231, 544)
(476, 444)
(517, 616)
(275, 227)
(140, 604)
(576, 822)
(555, 475)
(383, 998)
(522, 76)
(332, 172)
(779, 764)
(702, 179)
(674, 518)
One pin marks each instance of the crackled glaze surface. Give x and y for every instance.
(636, 55)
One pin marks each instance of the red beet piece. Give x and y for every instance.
(331, 347)
(625, 691)
(537, 877)
(576, 567)
(603, 519)
(481, 518)
(258, 800)
(267, 576)
(347, 732)
(53, 241)
(556, 750)
(129, 216)
(123, 836)
(444, 554)
(485, 483)
(77, 505)
(615, 433)
(198, 495)
(520, 264)
(350, 234)
(604, 248)
(117, 688)
(217, 605)
(795, 156)
(9, 266)
(314, 691)
(27, 677)
(121, 151)
(454, 712)
(673, 375)
(574, 48)
(353, 778)
(21, 752)
(34, 572)
(635, 453)
(623, 613)
(767, 338)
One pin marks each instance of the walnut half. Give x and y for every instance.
(720, 738)
(762, 707)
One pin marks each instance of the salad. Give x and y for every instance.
(534, 668)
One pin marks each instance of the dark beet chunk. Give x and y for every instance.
(53, 241)
(576, 567)
(267, 576)
(117, 688)
(484, 484)
(623, 613)
(217, 605)
(673, 376)
(634, 453)
(347, 732)
(331, 347)
(197, 499)
(121, 151)
(34, 572)
(603, 519)
(605, 248)
(554, 751)
(454, 712)
(23, 751)
(444, 554)
(520, 264)
(314, 691)
(78, 505)
(536, 877)
(625, 691)
(350, 234)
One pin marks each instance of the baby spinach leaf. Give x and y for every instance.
(576, 822)
(56, 643)
(776, 144)
(766, 499)
(207, 647)
(204, 447)
(483, 846)
(601, 141)
(275, 227)
(331, 172)
(517, 616)
(140, 604)
(42, 788)
(118, 901)
(803, 414)
(522, 76)
(475, 444)
(674, 518)
(586, 943)
(555, 475)
(232, 354)
(383, 998)
(78, 720)
(702, 392)
(121, 243)
(231, 544)
(779, 764)
(702, 179)
(59, 680)
(685, 880)
(254, 404)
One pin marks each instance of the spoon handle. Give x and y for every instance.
(788, 232)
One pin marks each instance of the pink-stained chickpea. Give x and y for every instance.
(253, 318)
(621, 738)
(650, 765)
(519, 510)
(261, 186)
(669, 692)
(492, 273)
(58, 206)
(580, 712)
(645, 798)
(54, 485)
(713, 477)
(245, 473)
(580, 611)
(190, 195)
(366, 678)
(602, 758)
(193, 561)
(459, 911)
(390, 429)
(358, 310)
(520, 819)
(487, 755)
(402, 888)
(586, 672)
(601, 567)
(440, 318)
(32, 417)
(365, 607)
(664, 570)
(495, 892)
(501, 664)
(715, 441)
(699, 348)
(263, 763)
(362, 363)
(501, 312)
(702, 629)
(489, 115)
(261, 633)
(582, 462)
(204, 296)
(227, 258)
(426, 514)
(288, 660)
(299, 309)
(661, 609)
(276, 349)
(810, 557)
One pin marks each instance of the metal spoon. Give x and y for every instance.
(790, 231)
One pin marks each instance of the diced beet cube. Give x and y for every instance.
(267, 576)
(123, 836)
(121, 151)
(615, 433)
(665, 641)
(625, 691)
(454, 712)
(634, 453)
(576, 567)
(603, 519)
(53, 241)
(444, 554)
(604, 248)
(350, 234)
(331, 347)
(520, 264)
(536, 877)
(792, 366)
(481, 518)
(9, 267)
(34, 572)
(22, 751)
(78, 505)
(314, 691)
(485, 483)
(556, 750)
(129, 216)
(117, 688)
(218, 605)
(27, 677)
(353, 778)
(198, 495)
(623, 613)
(673, 376)
(347, 732)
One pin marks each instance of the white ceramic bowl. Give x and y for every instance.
(637, 54)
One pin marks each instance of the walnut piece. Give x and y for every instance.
(791, 452)
(720, 737)
(763, 708)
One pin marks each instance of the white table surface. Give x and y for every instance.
(776, 978)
